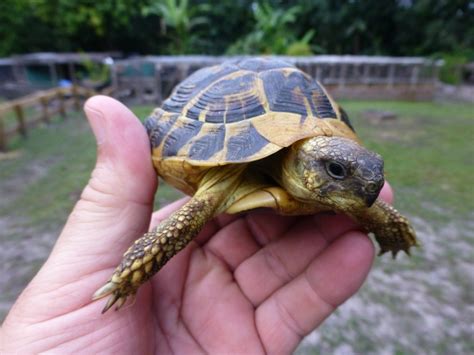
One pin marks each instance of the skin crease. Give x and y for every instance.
(248, 284)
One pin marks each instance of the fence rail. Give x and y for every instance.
(18, 116)
(151, 78)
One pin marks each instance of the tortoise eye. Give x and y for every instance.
(336, 170)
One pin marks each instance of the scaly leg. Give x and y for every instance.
(153, 250)
(392, 231)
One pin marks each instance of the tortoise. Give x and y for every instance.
(252, 133)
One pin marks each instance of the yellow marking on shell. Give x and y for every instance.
(260, 88)
(155, 249)
(116, 279)
(305, 101)
(163, 240)
(166, 117)
(202, 115)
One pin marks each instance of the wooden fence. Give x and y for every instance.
(18, 116)
(151, 78)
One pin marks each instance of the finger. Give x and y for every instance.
(386, 193)
(283, 259)
(302, 305)
(242, 237)
(114, 207)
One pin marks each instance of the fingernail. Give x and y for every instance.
(98, 124)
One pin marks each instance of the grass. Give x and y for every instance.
(55, 162)
(428, 153)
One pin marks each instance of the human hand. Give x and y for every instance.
(247, 284)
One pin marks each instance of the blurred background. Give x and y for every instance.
(402, 69)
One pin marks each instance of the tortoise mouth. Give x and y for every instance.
(370, 199)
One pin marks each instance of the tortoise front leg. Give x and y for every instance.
(153, 250)
(392, 231)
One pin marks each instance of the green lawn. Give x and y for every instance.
(428, 152)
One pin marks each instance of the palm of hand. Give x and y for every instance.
(248, 284)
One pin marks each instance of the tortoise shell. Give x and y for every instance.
(238, 112)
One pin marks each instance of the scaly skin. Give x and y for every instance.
(392, 231)
(305, 177)
(154, 249)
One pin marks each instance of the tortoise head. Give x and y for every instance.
(334, 171)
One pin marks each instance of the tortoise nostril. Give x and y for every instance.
(371, 187)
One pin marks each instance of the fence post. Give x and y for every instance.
(21, 120)
(75, 98)
(391, 75)
(62, 107)
(415, 71)
(44, 108)
(3, 136)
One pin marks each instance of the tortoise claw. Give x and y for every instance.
(110, 302)
(105, 290)
(112, 289)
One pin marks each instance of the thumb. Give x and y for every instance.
(114, 207)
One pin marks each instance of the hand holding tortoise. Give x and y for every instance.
(250, 284)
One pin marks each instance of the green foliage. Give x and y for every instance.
(451, 71)
(389, 27)
(95, 72)
(182, 18)
(272, 33)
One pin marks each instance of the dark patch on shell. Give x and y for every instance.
(180, 136)
(261, 64)
(206, 146)
(245, 144)
(228, 100)
(158, 128)
(345, 119)
(293, 92)
(193, 85)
